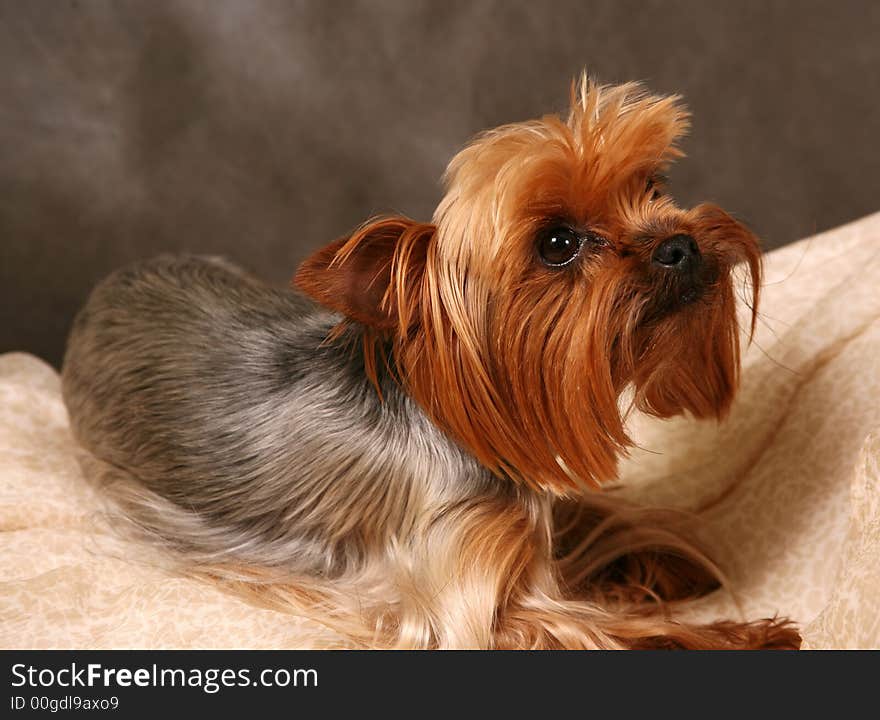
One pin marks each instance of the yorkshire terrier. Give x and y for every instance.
(409, 447)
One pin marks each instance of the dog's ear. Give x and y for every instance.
(373, 276)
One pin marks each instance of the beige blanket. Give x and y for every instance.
(790, 487)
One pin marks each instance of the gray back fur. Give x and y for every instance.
(242, 432)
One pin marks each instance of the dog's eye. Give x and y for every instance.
(559, 246)
(654, 186)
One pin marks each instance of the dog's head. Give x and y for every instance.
(556, 273)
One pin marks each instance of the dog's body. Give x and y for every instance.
(422, 440)
(221, 394)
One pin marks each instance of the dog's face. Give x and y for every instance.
(556, 273)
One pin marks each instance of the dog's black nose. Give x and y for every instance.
(677, 253)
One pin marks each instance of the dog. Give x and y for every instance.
(409, 446)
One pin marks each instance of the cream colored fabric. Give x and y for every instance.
(789, 486)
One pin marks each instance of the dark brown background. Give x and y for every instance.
(261, 130)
